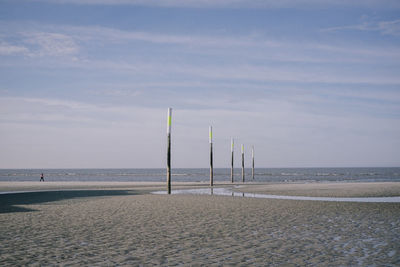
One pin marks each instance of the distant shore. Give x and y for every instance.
(120, 223)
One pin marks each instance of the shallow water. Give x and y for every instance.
(229, 192)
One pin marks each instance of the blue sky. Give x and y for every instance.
(310, 83)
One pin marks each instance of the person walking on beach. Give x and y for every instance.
(42, 177)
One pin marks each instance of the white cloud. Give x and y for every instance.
(117, 92)
(241, 72)
(9, 49)
(50, 44)
(67, 37)
(36, 43)
(51, 40)
(57, 103)
(59, 111)
(42, 110)
(390, 27)
(235, 3)
(112, 35)
(384, 27)
(64, 43)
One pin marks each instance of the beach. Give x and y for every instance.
(122, 223)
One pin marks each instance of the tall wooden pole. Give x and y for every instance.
(211, 159)
(169, 150)
(232, 149)
(242, 163)
(252, 161)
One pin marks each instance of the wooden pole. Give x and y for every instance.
(169, 150)
(252, 161)
(242, 163)
(211, 159)
(232, 149)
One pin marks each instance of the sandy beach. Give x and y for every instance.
(103, 224)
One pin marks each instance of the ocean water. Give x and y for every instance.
(202, 175)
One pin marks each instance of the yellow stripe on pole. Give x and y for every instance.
(210, 134)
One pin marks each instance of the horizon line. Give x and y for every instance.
(144, 168)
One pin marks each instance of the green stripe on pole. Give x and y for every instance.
(169, 120)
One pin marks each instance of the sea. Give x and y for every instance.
(303, 175)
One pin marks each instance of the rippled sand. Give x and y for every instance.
(114, 226)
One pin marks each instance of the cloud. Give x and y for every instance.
(43, 110)
(242, 72)
(50, 44)
(74, 105)
(235, 3)
(14, 40)
(116, 92)
(112, 35)
(251, 41)
(384, 27)
(390, 27)
(74, 42)
(9, 49)
(64, 40)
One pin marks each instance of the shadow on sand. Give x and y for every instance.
(9, 202)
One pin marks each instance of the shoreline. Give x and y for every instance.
(316, 189)
(232, 192)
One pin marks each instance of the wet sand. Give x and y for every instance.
(382, 189)
(121, 224)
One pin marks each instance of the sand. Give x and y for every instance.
(121, 224)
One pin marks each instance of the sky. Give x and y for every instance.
(309, 83)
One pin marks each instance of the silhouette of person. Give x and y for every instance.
(42, 177)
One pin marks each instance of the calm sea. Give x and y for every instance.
(198, 175)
